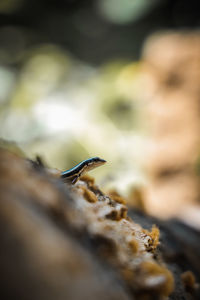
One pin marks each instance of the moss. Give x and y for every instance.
(117, 214)
(113, 215)
(114, 195)
(188, 280)
(88, 195)
(154, 234)
(88, 179)
(133, 244)
(154, 272)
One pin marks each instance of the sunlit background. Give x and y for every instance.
(78, 79)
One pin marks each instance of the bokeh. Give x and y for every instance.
(106, 78)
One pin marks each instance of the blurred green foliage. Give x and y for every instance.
(65, 110)
(67, 107)
(124, 11)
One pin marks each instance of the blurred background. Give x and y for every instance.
(119, 79)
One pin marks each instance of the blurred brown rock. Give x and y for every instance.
(171, 76)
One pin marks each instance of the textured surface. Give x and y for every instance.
(72, 242)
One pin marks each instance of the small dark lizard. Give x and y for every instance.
(72, 175)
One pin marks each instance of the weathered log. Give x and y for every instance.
(74, 242)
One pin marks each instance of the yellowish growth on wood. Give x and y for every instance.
(117, 212)
(114, 195)
(153, 270)
(88, 179)
(114, 215)
(88, 195)
(188, 280)
(123, 212)
(133, 244)
(154, 234)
